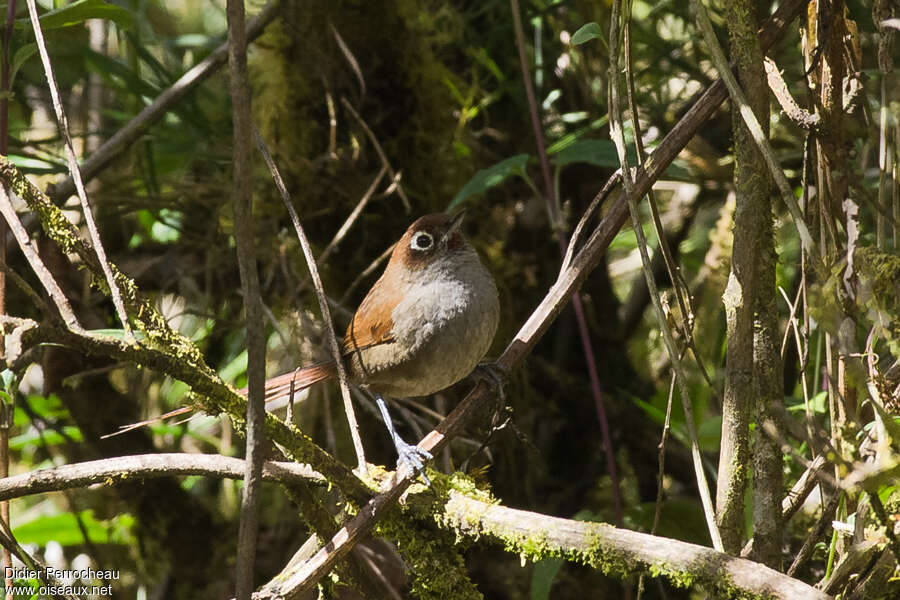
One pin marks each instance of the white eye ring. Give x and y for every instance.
(421, 241)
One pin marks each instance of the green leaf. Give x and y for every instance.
(80, 11)
(63, 528)
(19, 58)
(234, 368)
(543, 576)
(48, 407)
(490, 177)
(51, 438)
(587, 33)
(594, 152)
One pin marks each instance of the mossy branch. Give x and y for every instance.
(621, 552)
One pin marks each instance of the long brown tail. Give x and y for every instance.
(282, 385)
(277, 388)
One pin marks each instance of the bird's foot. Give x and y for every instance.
(493, 375)
(412, 458)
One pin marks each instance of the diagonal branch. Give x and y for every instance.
(37, 265)
(307, 574)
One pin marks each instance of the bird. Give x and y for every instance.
(425, 324)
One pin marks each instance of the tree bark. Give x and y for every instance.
(753, 371)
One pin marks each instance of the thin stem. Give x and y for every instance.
(75, 171)
(4, 150)
(323, 303)
(750, 120)
(618, 136)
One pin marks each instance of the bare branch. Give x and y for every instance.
(620, 551)
(119, 469)
(354, 215)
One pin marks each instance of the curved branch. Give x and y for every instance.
(146, 466)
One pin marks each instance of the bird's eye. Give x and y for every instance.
(421, 241)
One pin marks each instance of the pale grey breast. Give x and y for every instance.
(447, 325)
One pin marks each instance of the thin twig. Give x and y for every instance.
(242, 200)
(596, 202)
(618, 136)
(737, 95)
(660, 476)
(366, 272)
(159, 108)
(323, 304)
(75, 171)
(351, 219)
(378, 150)
(354, 64)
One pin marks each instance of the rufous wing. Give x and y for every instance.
(372, 323)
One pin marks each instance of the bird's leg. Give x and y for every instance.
(408, 455)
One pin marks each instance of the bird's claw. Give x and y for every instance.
(492, 375)
(412, 458)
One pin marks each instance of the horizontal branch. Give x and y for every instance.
(146, 466)
(621, 552)
(211, 393)
(617, 552)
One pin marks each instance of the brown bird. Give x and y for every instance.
(424, 325)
